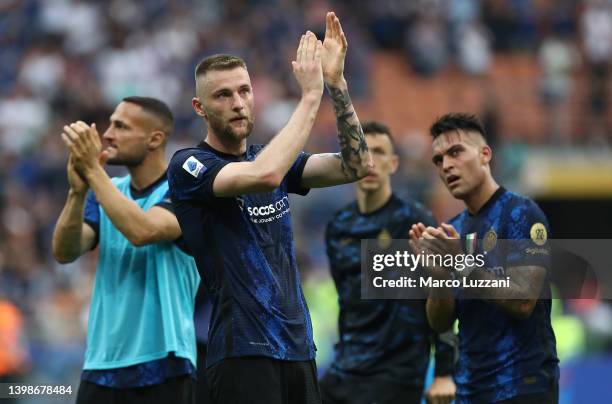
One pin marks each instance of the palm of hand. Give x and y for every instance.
(332, 59)
(334, 50)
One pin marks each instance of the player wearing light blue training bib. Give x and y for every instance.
(141, 339)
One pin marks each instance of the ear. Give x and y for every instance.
(394, 163)
(486, 154)
(156, 139)
(198, 107)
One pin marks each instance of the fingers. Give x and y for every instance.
(103, 157)
(81, 139)
(329, 20)
(450, 230)
(417, 230)
(308, 50)
(300, 49)
(338, 32)
(312, 45)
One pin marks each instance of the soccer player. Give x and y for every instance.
(507, 350)
(384, 346)
(233, 207)
(141, 339)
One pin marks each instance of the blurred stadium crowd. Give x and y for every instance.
(64, 60)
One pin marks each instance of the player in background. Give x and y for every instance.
(140, 339)
(384, 346)
(233, 207)
(507, 349)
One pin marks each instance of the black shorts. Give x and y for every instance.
(202, 393)
(257, 379)
(177, 390)
(549, 397)
(336, 389)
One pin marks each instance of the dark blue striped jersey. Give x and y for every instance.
(387, 340)
(244, 250)
(500, 356)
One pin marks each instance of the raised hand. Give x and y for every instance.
(307, 65)
(85, 147)
(334, 51)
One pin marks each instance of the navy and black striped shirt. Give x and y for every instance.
(501, 357)
(385, 340)
(244, 250)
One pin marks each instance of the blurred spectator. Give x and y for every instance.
(558, 59)
(426, 45)
(597, 42)
(474, 51)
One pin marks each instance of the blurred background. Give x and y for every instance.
(536, 72)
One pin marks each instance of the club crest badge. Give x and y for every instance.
(384, 239)
(489, 241)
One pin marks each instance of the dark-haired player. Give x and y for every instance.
(385, 344)
(140, 340)
(507, 351)
(233, 207)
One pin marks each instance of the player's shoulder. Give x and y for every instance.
(180, 156)
(524, 214)
(343, 217)
(521, 204)
(346, 213)
(192, 160)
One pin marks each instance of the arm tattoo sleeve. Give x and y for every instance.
(353, 147)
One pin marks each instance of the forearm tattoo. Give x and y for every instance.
(353, 147)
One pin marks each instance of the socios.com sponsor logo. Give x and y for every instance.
(265, 213)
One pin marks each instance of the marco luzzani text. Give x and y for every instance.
(461, 264)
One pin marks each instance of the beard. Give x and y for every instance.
(226, 131)
(126, 160)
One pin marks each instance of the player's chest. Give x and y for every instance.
(345, 246)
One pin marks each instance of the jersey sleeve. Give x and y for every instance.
(528, 232)
(92, 215)
(294, 175)
(191, 175)
(166, 202)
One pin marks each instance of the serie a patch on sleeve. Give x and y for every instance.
(193, 166)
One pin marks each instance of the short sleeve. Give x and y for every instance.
(92, 215)
(166, 202)
(528, 233)
(191, 175)
(294, 175)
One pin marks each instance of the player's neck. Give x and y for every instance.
(148, 171)
(228, 146)
(368, 202)
(481, 195)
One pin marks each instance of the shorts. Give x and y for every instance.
(177, 390)
(262, 380)
(336, 389)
